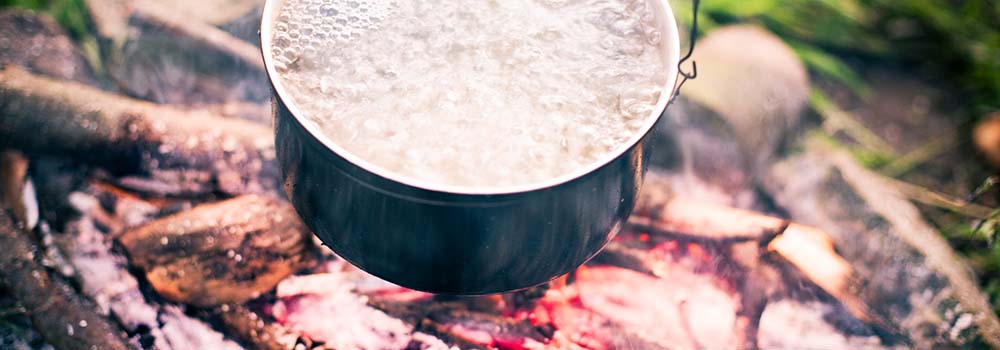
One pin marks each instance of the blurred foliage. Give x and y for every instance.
(959, 39)
(72, 16)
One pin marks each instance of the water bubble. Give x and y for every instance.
(328, 10)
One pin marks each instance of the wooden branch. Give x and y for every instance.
(224, 252)
(196, 152)
(63, 318)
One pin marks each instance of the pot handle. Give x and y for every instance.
(685, 76)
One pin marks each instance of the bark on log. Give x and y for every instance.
(225, 252)
(65, 320)
(195, 152)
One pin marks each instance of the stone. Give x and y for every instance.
(754, 81)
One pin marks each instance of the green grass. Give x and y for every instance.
(955, 40)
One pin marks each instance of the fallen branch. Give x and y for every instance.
(63, 318)
(193, 152)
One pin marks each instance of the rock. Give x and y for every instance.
(987, 139)
(37, 43)
(909, 273)
(224, 252)
(754, 81)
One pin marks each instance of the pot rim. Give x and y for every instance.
(672, 47)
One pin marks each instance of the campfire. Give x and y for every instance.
(145, 211)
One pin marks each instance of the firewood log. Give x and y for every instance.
(224, 252)
(65, 320)
(191, 152)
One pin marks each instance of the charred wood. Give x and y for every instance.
(65, 320)
(193, 153)
(224, 252)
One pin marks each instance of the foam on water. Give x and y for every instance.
(473, 92)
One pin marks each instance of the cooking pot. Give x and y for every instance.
(457, 240)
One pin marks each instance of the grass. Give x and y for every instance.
(957, 40)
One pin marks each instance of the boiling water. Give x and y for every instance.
(473, 92)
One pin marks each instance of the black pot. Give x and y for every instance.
(455, 240)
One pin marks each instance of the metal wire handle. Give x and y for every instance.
(685, 76)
